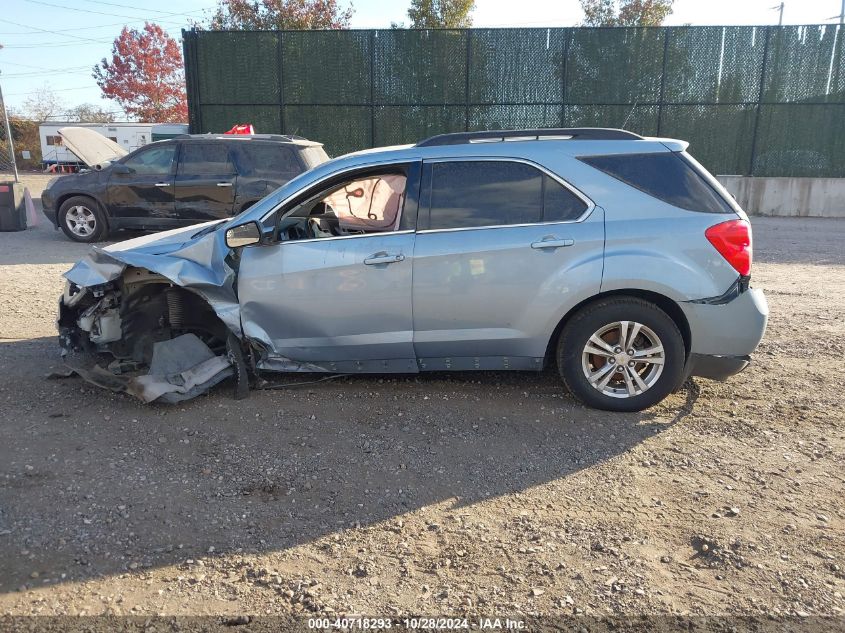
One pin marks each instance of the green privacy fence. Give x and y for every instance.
(765, 101)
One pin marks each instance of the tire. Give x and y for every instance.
(589, 343)
(82, 220)
(236, 355)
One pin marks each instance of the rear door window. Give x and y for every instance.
(474, 194)
(665, 176)
(468, 194)
(198, 159)
(266, 160)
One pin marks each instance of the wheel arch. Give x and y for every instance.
(663, 302)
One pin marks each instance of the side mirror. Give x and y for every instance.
(120, 168)
(243, 235)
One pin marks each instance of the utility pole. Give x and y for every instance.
(9, 134)
(779, 7)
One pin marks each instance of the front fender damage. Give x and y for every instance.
(161, 327)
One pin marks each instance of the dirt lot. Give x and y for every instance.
(435, 494)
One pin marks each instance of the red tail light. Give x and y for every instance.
(733, 241)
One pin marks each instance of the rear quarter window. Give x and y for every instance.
(666, 176)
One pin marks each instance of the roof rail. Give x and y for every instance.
(574, 133)
(271, 137)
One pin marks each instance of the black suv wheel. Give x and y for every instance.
(82, 220)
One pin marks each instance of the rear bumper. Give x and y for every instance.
(724, 335)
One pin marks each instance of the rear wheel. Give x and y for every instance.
(621, 354)
(82, 220)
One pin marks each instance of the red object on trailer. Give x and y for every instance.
(241, 128)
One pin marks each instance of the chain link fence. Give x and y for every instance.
(764, 101)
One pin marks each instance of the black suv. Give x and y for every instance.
(172, 183)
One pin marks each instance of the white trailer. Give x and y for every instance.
(130, 136)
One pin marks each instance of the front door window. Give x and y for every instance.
(154, 161)
(372, 203)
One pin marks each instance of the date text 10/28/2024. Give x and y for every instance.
(420, 623)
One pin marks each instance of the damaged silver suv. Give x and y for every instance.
(617, 258)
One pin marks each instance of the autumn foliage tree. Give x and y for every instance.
(145, 75)
(279, 14)
(626, 12)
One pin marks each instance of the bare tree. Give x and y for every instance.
(42, 105)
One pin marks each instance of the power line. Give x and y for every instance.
(114, 15)
(59, 44)
(27, 26)
(26, 65)
(98, 26)
(24, 94)
(76, 70)
(126, 6)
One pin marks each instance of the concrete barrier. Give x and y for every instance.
(788, 197)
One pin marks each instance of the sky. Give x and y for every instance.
(57, 42)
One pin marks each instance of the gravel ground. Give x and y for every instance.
(435, 494)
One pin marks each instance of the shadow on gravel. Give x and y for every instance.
(95, 484)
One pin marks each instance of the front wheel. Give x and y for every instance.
(621, 354)
(82, 220)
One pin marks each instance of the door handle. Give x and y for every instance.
(162, 184)
(383, 258)
(550, 241)
(224, 184)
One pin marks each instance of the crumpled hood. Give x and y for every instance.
(197, 264)
(92, 148)
(162, 242)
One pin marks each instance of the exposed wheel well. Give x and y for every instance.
(661, 301)
(153, 311)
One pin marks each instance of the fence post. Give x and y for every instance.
(280, 58)
(563, 68)
(372, 88)
(466, 79)
(667, 32)
(759, 100)
(192, 91)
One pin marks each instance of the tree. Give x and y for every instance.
(599, 12)
(42, 104)
(145, 75)
(441, 14)
(626, 12)
(298, 15)
(25, 136)
(88, 113)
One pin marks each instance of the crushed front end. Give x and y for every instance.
(141, 334)
(156, 317)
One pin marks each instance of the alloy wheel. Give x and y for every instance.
(81, 221)
(623, 359)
